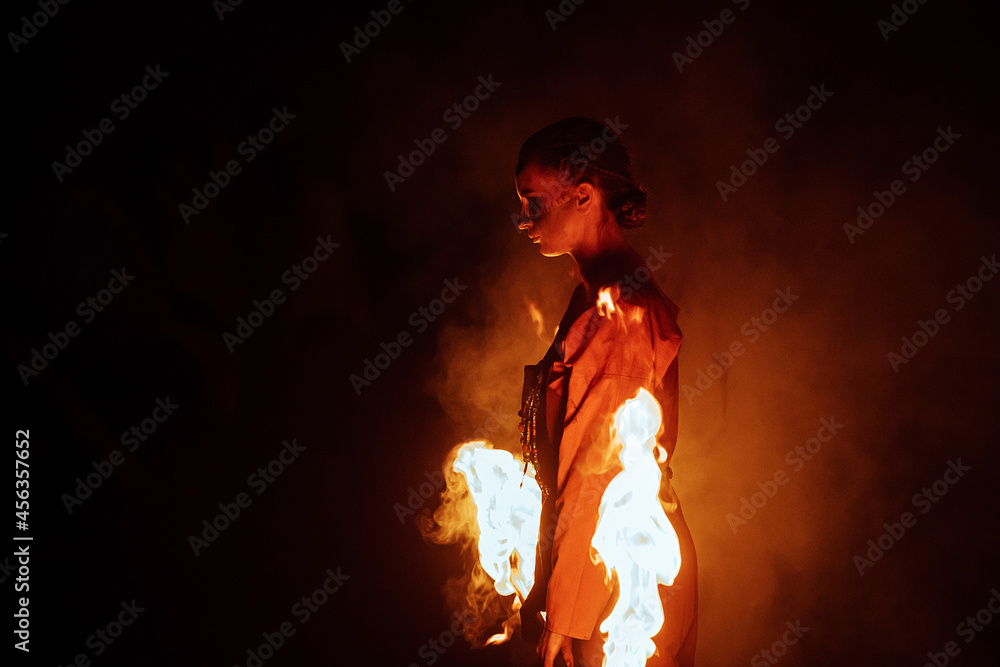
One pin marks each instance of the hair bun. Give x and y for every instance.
(631, 211)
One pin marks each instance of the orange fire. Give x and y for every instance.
(508, 510)
(606, 301)
(610, 304)
(634, 537)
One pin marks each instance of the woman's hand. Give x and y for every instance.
(552, 644)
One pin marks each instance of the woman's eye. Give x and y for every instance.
(535, 207)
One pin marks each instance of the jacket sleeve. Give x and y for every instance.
(611, 360)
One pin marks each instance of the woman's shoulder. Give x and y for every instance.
(646, 296)
(619, 321)
(662, 311)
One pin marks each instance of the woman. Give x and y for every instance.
(577, 194)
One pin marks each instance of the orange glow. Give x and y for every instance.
(536, 317)
(634, 538)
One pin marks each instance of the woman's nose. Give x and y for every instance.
(524, 224)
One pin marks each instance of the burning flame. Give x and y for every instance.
(536, 317)
(539, 320)
(609, 303)
(606, 301)
(508, 511)
(493, 504)
(634, 538)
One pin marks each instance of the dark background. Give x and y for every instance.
(340, 504)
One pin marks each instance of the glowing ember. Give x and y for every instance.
(507, 513)
(634, 538)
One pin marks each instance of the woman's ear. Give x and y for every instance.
(586, 194)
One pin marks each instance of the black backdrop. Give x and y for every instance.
(346, 504)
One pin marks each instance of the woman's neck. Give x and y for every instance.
(606, 261)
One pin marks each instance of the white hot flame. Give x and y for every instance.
(611, 304)
(606, 302)
(634, 538)
(508, 513)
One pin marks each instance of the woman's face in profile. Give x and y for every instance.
(546, 213)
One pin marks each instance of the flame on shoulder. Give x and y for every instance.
(611, 304)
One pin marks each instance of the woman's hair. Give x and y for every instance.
(582, 149)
